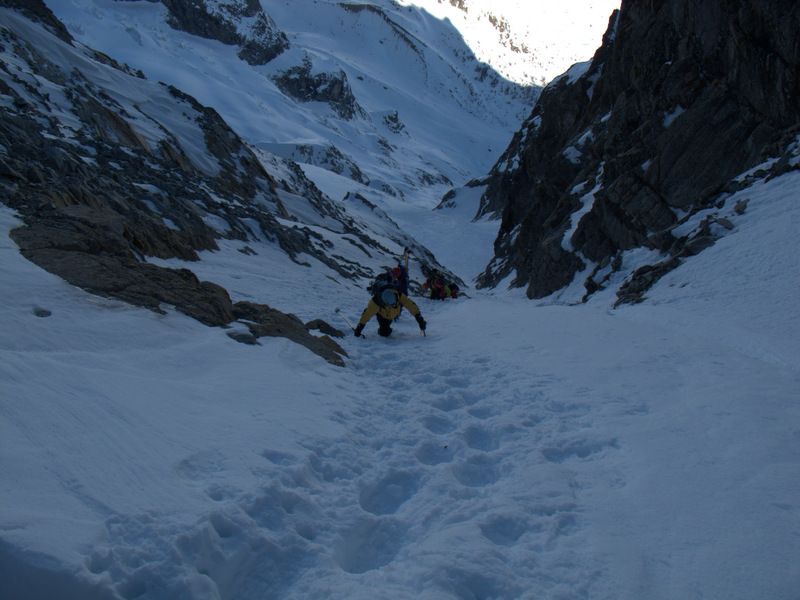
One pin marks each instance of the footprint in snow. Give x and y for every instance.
(433, 453)
(479, 438)
(476, 471)
(504, 530)
(368, 545)
(437, 424)
(389, 493)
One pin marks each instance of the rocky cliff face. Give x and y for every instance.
(300, 82)
(240, 23)
(682, 97)
(107, 170)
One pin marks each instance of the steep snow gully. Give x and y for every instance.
(561, 452)
(521, 450)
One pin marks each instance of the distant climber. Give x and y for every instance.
(438, 287)
(386, 306)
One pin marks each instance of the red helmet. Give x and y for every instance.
(396, 273)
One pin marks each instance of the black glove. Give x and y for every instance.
(421, 322)
(357, 331)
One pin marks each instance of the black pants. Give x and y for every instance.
(384, 326)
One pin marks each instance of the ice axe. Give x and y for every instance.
(339, 312)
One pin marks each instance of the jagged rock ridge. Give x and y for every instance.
(681, 98)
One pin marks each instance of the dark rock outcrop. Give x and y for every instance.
(683, 96)
(264, 321)
(241, 23)
(88, 249)
(300, 82)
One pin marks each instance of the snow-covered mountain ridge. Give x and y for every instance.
(113, 173)
(411, 116)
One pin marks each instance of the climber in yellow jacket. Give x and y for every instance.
(386, 305)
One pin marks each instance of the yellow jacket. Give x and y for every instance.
(388, 312)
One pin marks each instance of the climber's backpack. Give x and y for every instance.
(386, 295)
(378, 284)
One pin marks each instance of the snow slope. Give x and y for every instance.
(519, 450)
